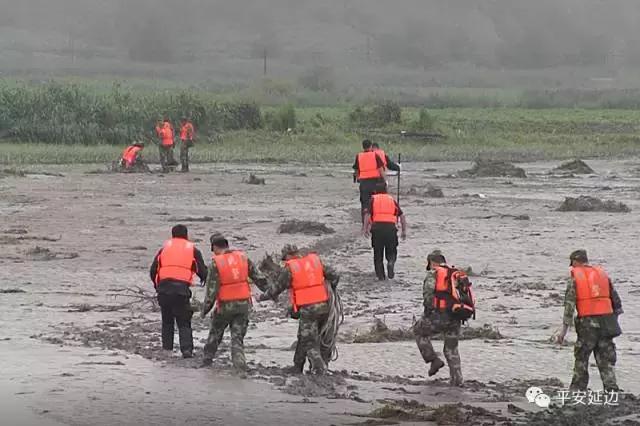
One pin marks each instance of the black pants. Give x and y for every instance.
(367, 188)
(384, 240)
(176, 308)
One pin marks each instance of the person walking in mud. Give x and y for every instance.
(306, 278)
(438, 319)
(165, 133)
(388, 162)
(172, 273)
(369, 172)
(187, 133)
(591, 293)
(381, 218)
(228, 288)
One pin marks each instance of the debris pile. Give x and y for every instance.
(254, 180)
(576, 167)
(305, 227)
(490, 168)
(586, 203)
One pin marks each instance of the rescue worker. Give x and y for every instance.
(381, 218)
(437, 319)
(306, 277)
(186, 137)
(388, 162)
(228, 288)
(165, 132)
(131, 157)
(591, 293)
(369, 172)
(172, 275)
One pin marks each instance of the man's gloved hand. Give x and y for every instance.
(263, 297)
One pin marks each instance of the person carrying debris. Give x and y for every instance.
(172, 275)
(228, 288)
(591, 293)
(187, 133)
(306, 277)
(448, 301)
(131, 158)
(381, 218)
(369, 172)
(165, 133)
(388, 162)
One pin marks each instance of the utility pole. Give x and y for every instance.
(264, 57)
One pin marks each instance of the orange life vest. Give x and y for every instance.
(130, 154)
(592, 291)
(382, 155)
(166, 134)
(186, 132)
(307, 281)
(446, 297)
(384, 209)
(233, 273)
(368, 165)
(176, 261)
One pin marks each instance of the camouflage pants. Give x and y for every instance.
(312, 319)
(238, 323)
(426, 328)
(184, 155)
(166, 157)
(590, 340)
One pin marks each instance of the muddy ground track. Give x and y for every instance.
(520, 303)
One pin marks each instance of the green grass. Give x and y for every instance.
(70, 122)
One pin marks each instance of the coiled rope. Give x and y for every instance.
(329, 331)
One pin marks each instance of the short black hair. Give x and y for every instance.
(217, 240)
(366, 144)
(179, 231)
(375, 145)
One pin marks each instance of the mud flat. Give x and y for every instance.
(78, 352)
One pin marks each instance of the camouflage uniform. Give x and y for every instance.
(311, 320)
(435, 322)
(595, 334)
(233, 314)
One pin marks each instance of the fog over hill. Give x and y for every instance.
(479, 43)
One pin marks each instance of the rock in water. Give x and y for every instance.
(576, 167)
(586, 203)
(490, 168)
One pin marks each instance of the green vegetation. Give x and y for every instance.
(69, 122)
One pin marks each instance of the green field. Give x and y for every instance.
(65, 122)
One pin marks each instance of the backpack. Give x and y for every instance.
(461, 303)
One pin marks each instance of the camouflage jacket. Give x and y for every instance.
(604, 321)
(213, 286)
(283, 282)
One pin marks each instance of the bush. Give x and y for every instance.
(57, 113)
(425, 121)
(282, 119)
(380, 115)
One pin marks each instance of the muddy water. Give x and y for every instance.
(69, 361)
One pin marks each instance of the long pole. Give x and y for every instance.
(399, 161)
